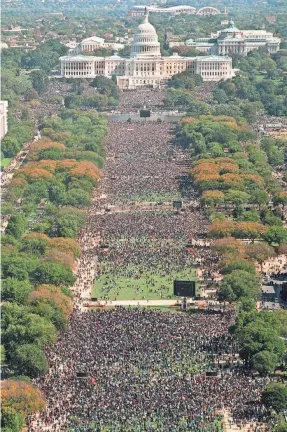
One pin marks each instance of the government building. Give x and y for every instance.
(145, 67)
(234, 41)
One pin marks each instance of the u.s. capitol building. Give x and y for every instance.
(145, 67)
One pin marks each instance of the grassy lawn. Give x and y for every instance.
(131, 285)
(5, 162)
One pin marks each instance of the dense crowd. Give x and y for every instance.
(145, 371)
(133, 100)
(143, 167)
(141, 163)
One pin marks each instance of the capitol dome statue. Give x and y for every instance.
(145, 42)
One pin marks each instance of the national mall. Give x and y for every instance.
(146, 67)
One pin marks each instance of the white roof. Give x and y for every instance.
(94, 39)
(79, 58)
(213, 57)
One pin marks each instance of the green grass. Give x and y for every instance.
(126, 286)
(5, 162)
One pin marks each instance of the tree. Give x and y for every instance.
(274, 396)
(220, 96)
(29, 359)
(220, 229)
(34, 246)
(258, 335)
(196, 142)
(259, 197)
(264, 362)
(229, 245)
(52, 295)
(281, 316)
(53, 273)
(247, 304)
(16, 226)
(10, 146)
(11, 421)
(259, 252)
(212, 197)
(106, 86)
(237, 197)
(2, 354)
(20, 327)
(237, 284)
(281, 427)
(276, 235)
(24, 398)
(15, 291)
(233, 262)
(39, 81)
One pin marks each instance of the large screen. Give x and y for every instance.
(184, 288)
(145, 113)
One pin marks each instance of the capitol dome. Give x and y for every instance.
(145, 43)
(146, 27)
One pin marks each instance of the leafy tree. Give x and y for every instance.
(260, 252)
(274, 396)
(220, 96)
(53, 273)
(281, 315)
(2, 354)
(281, 427)
(22, 397)
(258, 335)
(11, 421)
(77, 198)
(247, 304)
(276, 235)
(16, 226)
(15, 291)
(34, 246)
(39, 81)
(196, 142)
(29, 360)
(264, 362)
(106, 86)
(10, 146)
(259, 197)
(235, 263)
(67, 227)
(20, 326)
(239, 284)
(237, 197)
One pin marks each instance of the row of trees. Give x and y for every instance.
(105, 94)
(262, 79)
(235, 182)
(39, 249)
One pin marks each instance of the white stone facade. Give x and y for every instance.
(3, 118)
(146, 67)
(234, 41)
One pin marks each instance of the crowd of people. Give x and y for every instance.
(135, 370)
(139, 243)
(142, 163)
(132, 101)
